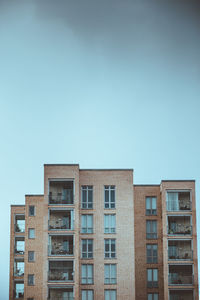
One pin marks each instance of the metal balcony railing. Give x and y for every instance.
(61, 199)
(179, 229)
(60, 275)
(19, 273)
(180, 254)
(180, 206)
(59, 225)
(19, 251)
(60, 298)
(60, 250)
(179, 279)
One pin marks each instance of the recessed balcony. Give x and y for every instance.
(19, 267)
(61, 294)
(61, 220)
(19, 245)
(181, 295)
(61, 192)
(178, 200)
(61, 271)
(180, 250)
(180, 275)
(19, 223)
(60, 245)
(18, 290)
(179, 225)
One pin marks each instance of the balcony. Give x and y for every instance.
(180, 250)
(61, 220)
(61, 192)
(19, 223)
(61, 245)
(19, 245)
(179, 201)
(61, 294)
(19, 290)
(61, 271)
(181, 295)
(179, 225)
(19, 267)
(180, 275)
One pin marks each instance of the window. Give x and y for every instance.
(178, 200)
(87, 274)
(87, 223)
(87, 295)
(109, 196)
(31, 233)
(110, 248)
(109, 223)
(110, 295)
(110, 274)
(152, 296)
(151, 206)
(151, 227)
(152, 278)
(31, 279)
(31, 210)
(152, 253)
(31, 256)
(87, 197)
(87, 248)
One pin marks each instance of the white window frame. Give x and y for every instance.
(152, 283)
(87, 296)
(86, 229)
(88, 205)
(110, 279)
(151, 211)
(110, 296)
(152, 235)
(109, 254)
(87, 249)
(152, 256)
(153, 295)
(111, 219)
(109, 204)
(89, 269)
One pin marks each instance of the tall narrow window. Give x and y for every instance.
(110, 248)
(153, 296)
(151, 206)
(152, 253)
(31, 233)
(151, 229)
(109, 196)
(87, 197)
(87, 295)
(87, 274)
(110, 274)
(87, 248)
(31, 256)
(109, 223)
(152, 278)
(87, 223)
(110, 295)
(31, 210)
(31, 279)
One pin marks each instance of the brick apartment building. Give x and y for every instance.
(95, 235)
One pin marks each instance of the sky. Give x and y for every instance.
(106, 84)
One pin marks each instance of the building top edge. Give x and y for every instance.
(106, 169)
(189, 180)
(34, 195)
(17, 205)
(146, 185)
(46, 165)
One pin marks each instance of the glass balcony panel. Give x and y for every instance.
(180, 275)
(179, 225)
(60, 271)
(61, 245)
(61, 192)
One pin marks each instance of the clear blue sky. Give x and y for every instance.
(106, 84)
